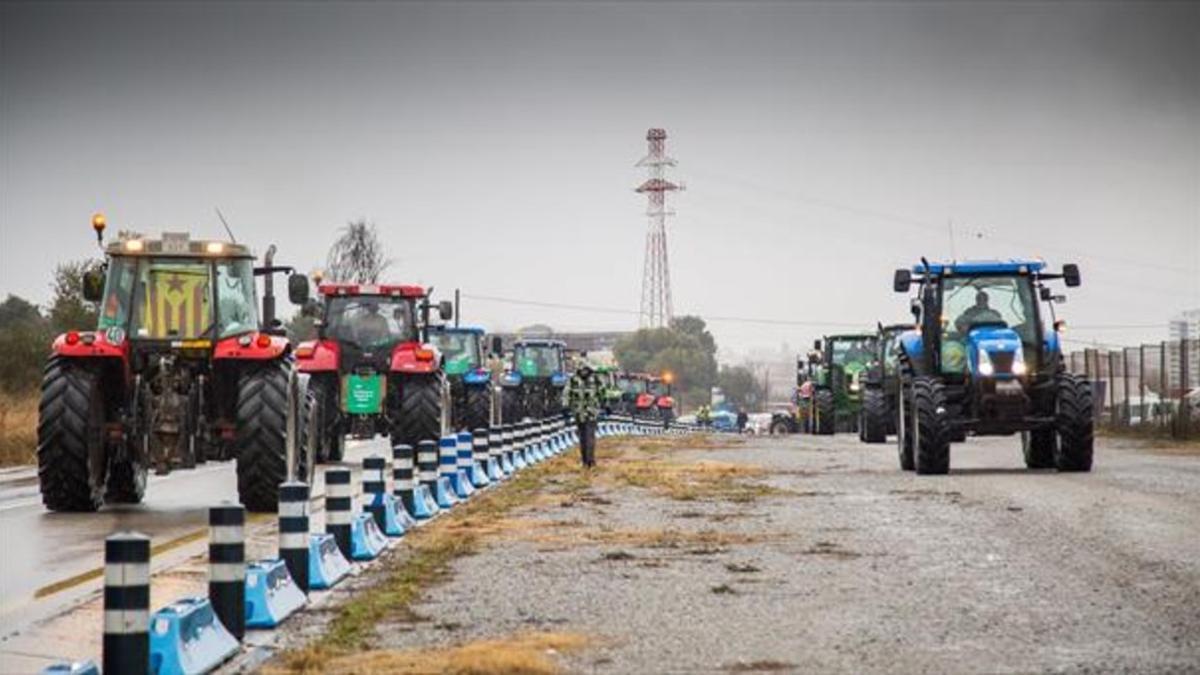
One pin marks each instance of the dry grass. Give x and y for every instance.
(523, 654)
(18, 428)
(704, 480)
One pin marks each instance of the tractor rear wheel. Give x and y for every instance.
(415, 408)
(331, 442)
(478, 414)
(904, 431)
(262, 436)
(1039, 447)
(1074, 420)
(511, 409)
(930, 435)
(826, 415)
(71, 453)
(874, 416)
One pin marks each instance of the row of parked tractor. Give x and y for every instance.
(982, 356)
(189, 364)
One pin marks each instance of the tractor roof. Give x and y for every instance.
(177, 245)
(1009, 266)
(851, 336)
(540, 342)
(339, 289)
(898, 327)
(460, 329)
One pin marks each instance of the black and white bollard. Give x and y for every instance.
(479, 455)
(127, 603)
(403, 482)
(339, 508)
(427, 465)
(293, 531)
(227, 566)
(374, 487)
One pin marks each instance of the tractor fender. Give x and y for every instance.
(89, 345)
(644, 400)
(912, 345)
(318, 356)
(251, 347)
(666, 402)
(1051, 342)
(411, 358)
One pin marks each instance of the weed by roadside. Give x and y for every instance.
(18, 428)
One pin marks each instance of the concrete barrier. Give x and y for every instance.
(186, 638)
(227, 566)
(326, 564)
(271, 594)
(126, 603)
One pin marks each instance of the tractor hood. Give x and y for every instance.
(995, 352)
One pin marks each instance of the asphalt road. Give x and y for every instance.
(858, 567)
(52, 562)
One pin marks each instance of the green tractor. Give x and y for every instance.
(839, 370)
(877, 417)
(464, 361)
(610, 391)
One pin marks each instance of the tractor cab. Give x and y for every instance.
(986, 351)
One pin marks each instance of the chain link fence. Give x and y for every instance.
(1151, 387)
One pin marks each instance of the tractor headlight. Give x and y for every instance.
(1018, 366)
(985, 364)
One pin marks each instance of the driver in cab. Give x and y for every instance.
(979, 313)
(372, 329)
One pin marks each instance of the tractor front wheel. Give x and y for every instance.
(478, 414)
(262, 436)
(825, 413)
(415, 408)
(1075, 424)
(874, 416)
(930, 434)
(1039, 447)
(904, 432)
(331, 441)
(71, 453)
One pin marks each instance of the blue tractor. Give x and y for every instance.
(534, 384)
(465, 363)
(985, 360)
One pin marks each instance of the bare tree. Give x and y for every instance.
(357, 255)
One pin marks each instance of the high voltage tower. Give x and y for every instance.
(656, 311)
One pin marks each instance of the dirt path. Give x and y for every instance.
(819, 555)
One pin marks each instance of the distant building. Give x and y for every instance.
(600, 341)
(1185, 326)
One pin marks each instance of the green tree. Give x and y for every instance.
(686, 349)
(741, 388)
(24, 343)
(68, 309)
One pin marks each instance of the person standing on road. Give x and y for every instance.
(583, 398)
(742, 419)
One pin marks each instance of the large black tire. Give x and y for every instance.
(71, 453)
(904, 429)
(511, 409)
(262, 435)
(478, 413)
(1038, 447)
(931, 435)
(825, 413)
(874, 416)
(331, 442)
(415, 405)
(1073, 417)
(779, 428)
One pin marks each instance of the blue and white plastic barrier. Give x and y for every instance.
(462, 478)
(377, 500)
(447, 467)
(479, 457)
(326, 564)
(271, 594)
(186, 638)
(425, 491)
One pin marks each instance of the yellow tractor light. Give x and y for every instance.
(668, 376)
(98, 223)
(215, 247)
(134, 245)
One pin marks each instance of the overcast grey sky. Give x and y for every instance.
(822, 146)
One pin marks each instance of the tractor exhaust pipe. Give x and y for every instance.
(268, 301)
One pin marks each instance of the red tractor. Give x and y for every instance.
(179, 370)
(372, 368)
(656, 403)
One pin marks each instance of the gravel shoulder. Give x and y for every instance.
(818, 554)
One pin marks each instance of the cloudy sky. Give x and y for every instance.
(822, 144)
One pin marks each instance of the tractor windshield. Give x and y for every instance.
(852, 350)
(976, 301)
(657, 388)
(632, 385)
(459, 349)
(370, 321)
(173, 298)
(538, 360)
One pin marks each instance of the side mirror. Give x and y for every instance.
(1044, 294)
(902, 281)
(93, 285)
(446, 310)
(817, 345)
(1071, 274)
(497, 345)
(298, 289)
